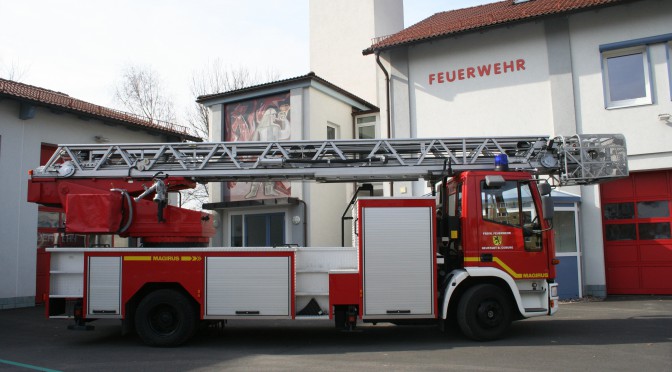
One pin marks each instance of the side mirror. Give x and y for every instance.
(547, 207)
(544, 189)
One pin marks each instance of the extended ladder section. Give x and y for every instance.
(575, 160)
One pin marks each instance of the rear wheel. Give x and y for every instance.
(484, 313)
(165, 318)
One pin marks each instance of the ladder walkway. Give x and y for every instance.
(575, 160)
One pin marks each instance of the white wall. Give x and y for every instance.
(509, 103)
(648, 138)
(20, 152)
(340, 30)
(326, 202)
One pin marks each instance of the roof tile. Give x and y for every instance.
(475, 18)
(60, 100)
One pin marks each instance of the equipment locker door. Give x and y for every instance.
(104, 294)
(398, 263)
(248, 286)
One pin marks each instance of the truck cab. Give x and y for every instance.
(495, 243)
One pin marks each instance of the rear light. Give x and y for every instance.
(554, 291)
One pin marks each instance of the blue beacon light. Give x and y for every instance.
(501, 162)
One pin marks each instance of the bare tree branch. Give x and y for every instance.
(15, 71)
(140, 91)
(217, 77)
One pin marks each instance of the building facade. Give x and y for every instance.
(339, 29)
(254, 214)
(556, 68)
(33, 121)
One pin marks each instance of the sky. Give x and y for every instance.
(81, 47)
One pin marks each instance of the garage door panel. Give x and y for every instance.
(657, 252)
(637, 230)
(621, 253)
(619, 189)
(657, 278)
(651, 184)
(620, 278)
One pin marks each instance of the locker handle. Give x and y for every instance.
(246, 312)
(103, 311)
(398, 311)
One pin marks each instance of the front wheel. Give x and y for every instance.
(484, 312)
(165, 318)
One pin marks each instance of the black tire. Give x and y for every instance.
(484, 312)
(165, 318)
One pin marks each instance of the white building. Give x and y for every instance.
(32, 121)
(276, 213)
(555, 68)
(339, 29)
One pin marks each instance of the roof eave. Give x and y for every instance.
(374, 50)
(310, 77)
(106, 119)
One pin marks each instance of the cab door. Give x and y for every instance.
(510, 236)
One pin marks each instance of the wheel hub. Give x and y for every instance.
(489, 314)
(163, 320)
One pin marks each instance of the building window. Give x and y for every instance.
(564, 224)
(333, 131)
(366, 127)
(626, 77)
(258, 230)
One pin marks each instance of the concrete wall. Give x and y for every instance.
(20, 152)
(340, 30)
(480, 102)
(326, 202)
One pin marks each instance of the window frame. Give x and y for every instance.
(374, 124)
(643, 50)
(243, 217)
(336, 128)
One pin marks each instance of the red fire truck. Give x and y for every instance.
(477, 252)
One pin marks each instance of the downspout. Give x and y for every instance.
(305, 222)
(387, 102)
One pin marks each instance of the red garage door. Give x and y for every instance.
(637, 237)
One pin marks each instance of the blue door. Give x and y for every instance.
(567, 251)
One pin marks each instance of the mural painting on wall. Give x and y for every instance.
(261, 119)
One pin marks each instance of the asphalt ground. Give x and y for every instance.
(619, 334)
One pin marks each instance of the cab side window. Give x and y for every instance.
(512, 205)
(501, 204)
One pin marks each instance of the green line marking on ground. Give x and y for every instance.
(36, 368)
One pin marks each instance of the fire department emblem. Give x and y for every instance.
(497, 240)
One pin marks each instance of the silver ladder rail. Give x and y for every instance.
(574, 160)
